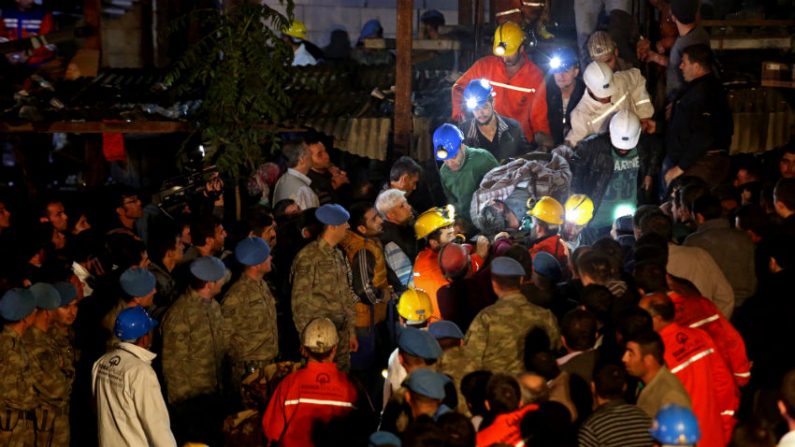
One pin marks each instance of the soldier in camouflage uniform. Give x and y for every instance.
(18, 399)
(195, 341)
(138, 288)
(63, 341)
(249, 311)
(321, 280)
(496, 338)
(51, 382)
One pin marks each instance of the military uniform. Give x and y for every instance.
(52, 385)
(322, 288)
(18, 399)
(195, 341)
(495, 339)
(63, 343)
(249, 311)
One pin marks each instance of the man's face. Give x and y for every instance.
(484, 112)
(786, 166)
(338, 232)
(219, 238)
(611, 60)
(149, 299)
(267, 266)
(408, 183)
(565, 79)
(292, 209)
(373, 223)
(454, 164)
(184, 236)
(402, 213)
(338, 177)
(446, 235)
(743, 176)
(269, 234)
(131, 207)
(513, 60)
(178, 251)
(633, 360)
(57, 216)
(5, 216)
(320, 158)
(690, 70)
(66, 315)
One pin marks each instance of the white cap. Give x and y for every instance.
(320, 335)
(598, 78)
(624, 130)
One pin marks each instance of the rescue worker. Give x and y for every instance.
(195, 341)
(414, 310)
(138, 287)
(621, 24)
(24, 20)
(548, 215)
(564, 91)
(487, 129)
(578, 211)
(295, 36)
(520, 89)
(616, 170)
(495, 339)
(691, 355)
(51, 382)
(606, 94)
(463, 168)
(249, 311)
(469, 289)
(129, 403)
(322, 286)
(676, 425)
(18, 396)
(313, 395)
(504, 401)
(602, 48)
(436, 226)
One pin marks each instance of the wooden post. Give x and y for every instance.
(92, 14)
(465, 12)
(403, 75)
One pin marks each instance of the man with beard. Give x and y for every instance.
(519, 82)
(500, 135)
(564, 91)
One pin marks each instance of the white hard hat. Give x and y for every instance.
(598, 78)
(320, 335)
(624, 130)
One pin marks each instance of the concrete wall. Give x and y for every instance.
(324, 16)
(123, 39)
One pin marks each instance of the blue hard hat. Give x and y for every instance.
(675, 425)
(133, 323)
(562, 59)
(447, 140)
(477, 93)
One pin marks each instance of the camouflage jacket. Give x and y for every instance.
(46, 368)
(195, 341)
(495, 339)
(322, 288)
(17, 389)
(249, 311)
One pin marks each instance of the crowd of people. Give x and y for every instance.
(600, 273)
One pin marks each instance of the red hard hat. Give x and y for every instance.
(453, 259)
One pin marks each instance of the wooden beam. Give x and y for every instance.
(92, 14)
(402, 122)
(465, 12)
(750, 42)
(748, 22)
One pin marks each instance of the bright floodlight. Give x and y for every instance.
(555, 63)
(624, 209)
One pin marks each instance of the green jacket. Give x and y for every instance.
(460, 185)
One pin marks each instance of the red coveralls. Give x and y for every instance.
(554, 246)
(695, 311)
(522, 97)
(17, 24)
(692, 356)
(428, 276)
(317, 393)
(505, 428)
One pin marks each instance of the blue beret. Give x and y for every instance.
(252, 251)
(505, 266)
(17, 304)
(208, 268)
(445, 329)
(136, 281)
(67, 291)
(547, 266)
(383, 438)
(45, 295)
(419, 343)
(332, 214)
(427, 382)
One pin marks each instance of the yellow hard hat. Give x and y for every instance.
(548, 210)
(296, 29)
(508, 37)
(433, 219)
(579, 209)
(415, 306)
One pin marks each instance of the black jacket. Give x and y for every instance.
(559, 119)
(592, 165)
(509, 142)
(701, 121)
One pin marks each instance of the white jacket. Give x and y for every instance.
(131, 411)
(592, 117)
